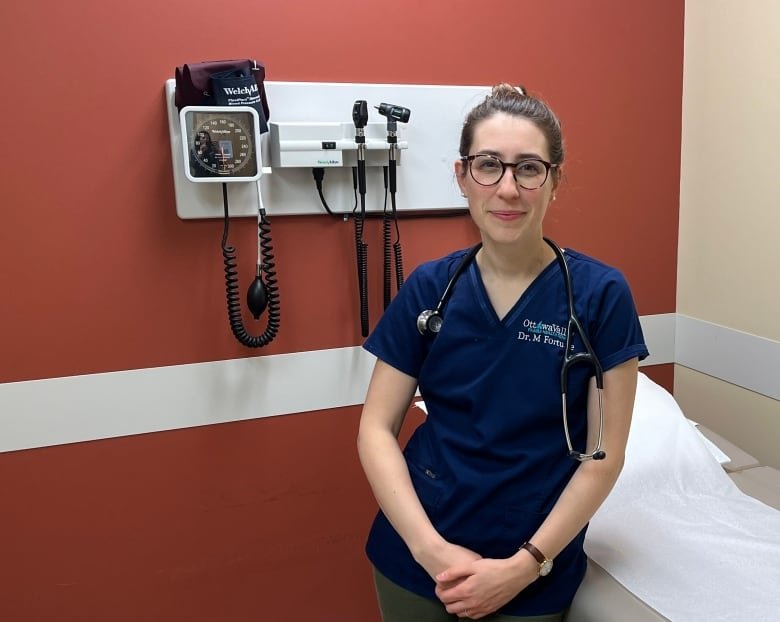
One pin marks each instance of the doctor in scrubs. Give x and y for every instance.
(483, 513)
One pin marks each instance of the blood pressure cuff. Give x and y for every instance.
(223, 83)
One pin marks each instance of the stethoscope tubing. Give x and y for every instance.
(430, 322)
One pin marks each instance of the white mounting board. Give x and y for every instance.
(426, 178)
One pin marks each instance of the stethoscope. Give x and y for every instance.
(430, 321)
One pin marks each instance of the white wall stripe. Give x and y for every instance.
(79, 408)
(659, 331)
(737, 357)
(56, 411)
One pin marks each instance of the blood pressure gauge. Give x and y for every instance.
(221, 143)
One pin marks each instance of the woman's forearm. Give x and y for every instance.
(593, 479)
(388, 399)
(389, 478)
(579, 501)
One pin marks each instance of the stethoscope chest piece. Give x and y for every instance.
(429, 321)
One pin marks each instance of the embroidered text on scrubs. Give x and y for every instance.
(543, 332)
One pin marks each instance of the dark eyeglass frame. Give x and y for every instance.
(547, 166)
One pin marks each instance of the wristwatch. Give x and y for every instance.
(545, 565)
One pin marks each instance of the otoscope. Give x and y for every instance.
(360, 119)
(394, 114)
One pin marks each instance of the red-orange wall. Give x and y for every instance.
(262, 519)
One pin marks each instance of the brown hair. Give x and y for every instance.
(515, 102)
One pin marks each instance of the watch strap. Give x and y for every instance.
(545, 564)
(538, 555)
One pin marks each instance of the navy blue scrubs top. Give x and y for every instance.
(490, 460)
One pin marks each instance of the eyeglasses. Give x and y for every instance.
(488, 170)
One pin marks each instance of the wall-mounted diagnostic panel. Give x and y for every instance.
(336, 149)
(312, 126)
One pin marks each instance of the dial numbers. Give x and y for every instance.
(220, 144)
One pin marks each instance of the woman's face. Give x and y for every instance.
(506, 213)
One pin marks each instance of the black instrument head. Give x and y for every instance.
(360, 113)
(391, 111)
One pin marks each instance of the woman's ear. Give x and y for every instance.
(556, 179)
(460, 171)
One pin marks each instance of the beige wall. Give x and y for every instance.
(729, 238)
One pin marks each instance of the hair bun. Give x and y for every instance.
(507, 90)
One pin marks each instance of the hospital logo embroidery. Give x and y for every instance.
(543, 332)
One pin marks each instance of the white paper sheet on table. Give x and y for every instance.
(678, 533)
(716, 451)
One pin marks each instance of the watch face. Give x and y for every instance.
(221, 145)
(545, 567)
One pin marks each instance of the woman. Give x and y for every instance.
(484, 513)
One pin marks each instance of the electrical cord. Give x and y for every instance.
(397, 252)
(319, 176)
(399, 259)
(260, 294)
(362, 250)
(390, 217)
(386, 245)
(362, 274)
(386, 265)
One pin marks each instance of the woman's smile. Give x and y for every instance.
(507, 215)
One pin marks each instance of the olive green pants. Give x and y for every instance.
(400, 605)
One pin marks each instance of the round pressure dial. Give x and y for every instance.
(221, 143)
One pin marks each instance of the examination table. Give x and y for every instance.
(683, 536)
